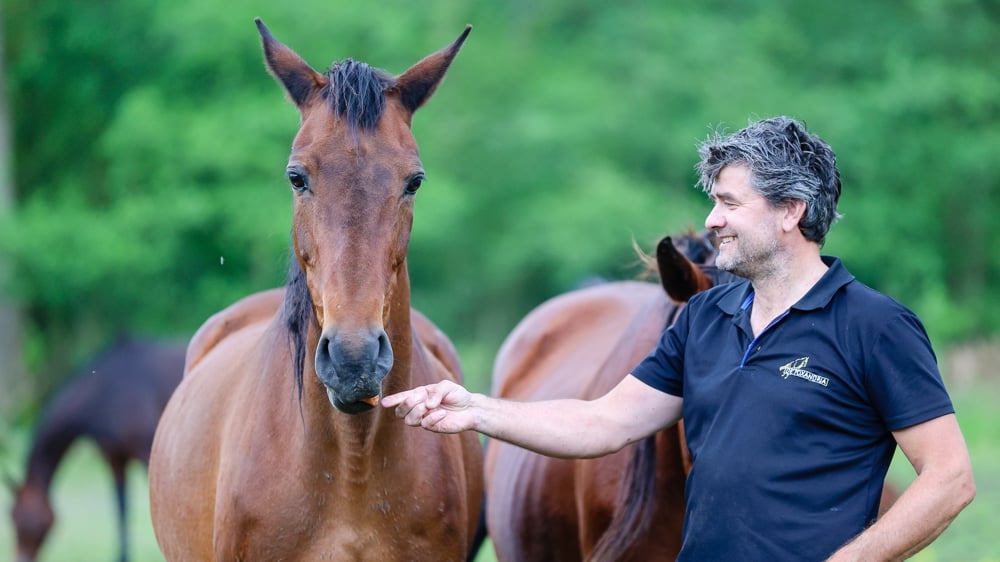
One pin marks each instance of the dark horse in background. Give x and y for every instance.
(272, 448)
(627, 506)
(116, 400)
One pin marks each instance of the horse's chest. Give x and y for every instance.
(331, 526)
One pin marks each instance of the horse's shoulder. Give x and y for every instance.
(252, 309)
(437, 343)
(572, 331)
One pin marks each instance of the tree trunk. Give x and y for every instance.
(12, 372)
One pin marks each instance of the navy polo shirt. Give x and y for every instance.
(790, 431)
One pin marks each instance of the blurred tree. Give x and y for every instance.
(11, 367)
(149, 160)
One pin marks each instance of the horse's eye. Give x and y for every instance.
(414, 184)
(298, 181)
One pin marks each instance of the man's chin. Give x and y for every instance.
(730, 266)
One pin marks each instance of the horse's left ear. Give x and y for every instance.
(416, 85)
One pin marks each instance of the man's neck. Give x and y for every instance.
(785, 286)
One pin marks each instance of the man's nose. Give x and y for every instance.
(714, 220)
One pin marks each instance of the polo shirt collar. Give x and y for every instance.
(741, 294)
(822, 292)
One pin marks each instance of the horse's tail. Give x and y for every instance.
(481, 533)
(633, 507)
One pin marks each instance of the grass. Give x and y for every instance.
(83, 499)
(972, 537)
(85, 524)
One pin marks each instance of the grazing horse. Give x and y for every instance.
(264, 455)
(116, 400)
(579, 345)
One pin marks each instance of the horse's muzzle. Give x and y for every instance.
(352, 367)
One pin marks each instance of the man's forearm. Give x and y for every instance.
(918, 517)
(565, 428)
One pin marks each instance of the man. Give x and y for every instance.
(796, 385)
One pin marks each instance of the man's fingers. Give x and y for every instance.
(430, 420)
(435, 395)
(394, 399)
(408, 398)
(420, 406)
(415, 416)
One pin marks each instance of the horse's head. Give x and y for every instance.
(354, 171)
(33, 518)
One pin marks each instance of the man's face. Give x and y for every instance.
(747, 225)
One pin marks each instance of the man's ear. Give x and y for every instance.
(795, 209)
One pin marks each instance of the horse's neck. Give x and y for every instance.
(52, 440)
(355, 435)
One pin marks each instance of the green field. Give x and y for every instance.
(85, 531)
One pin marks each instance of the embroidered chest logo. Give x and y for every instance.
(797, 368)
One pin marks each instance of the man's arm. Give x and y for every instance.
(942, 488)
(565, 428)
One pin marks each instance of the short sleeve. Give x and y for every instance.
(902, 375)
(663, 368)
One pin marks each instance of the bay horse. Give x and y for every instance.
(116, 401)
(262, 454)
(627, 506)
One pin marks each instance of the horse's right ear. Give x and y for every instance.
(298, 78)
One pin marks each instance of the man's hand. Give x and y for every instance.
(443, 407)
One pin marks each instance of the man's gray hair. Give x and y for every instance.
(785, 162)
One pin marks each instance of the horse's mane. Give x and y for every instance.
(299, 316)
(355, 92)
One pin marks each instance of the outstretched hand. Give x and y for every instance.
(442, 407)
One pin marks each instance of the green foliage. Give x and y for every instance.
(150, 146)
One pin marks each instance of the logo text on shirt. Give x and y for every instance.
(797, 369)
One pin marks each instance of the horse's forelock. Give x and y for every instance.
(356, 92)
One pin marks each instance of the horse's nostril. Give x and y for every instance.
(385, 358)
(324, 356)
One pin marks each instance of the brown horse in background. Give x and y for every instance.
(116, 401)
(265, 455)
(579, 345)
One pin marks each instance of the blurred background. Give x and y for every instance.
(143, 149)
